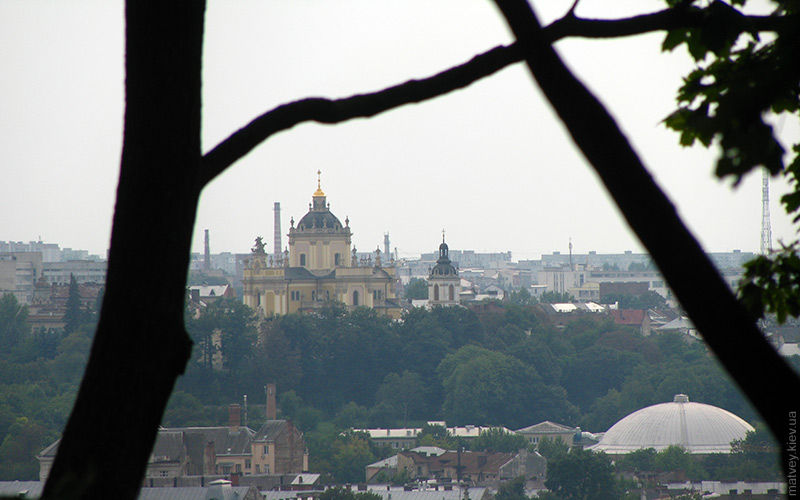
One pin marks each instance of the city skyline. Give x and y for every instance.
(488, 163)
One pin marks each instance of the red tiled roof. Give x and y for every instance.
(628, 316)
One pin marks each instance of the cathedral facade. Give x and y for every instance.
(320, 266)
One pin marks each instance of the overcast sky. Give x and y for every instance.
(490, 164)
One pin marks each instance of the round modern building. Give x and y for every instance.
(696, 427)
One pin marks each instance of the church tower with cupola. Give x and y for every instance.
(444, 284)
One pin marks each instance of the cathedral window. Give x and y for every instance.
(451, 292)
(355, 298)
(302, 259)
(337, 259)
(435, 292)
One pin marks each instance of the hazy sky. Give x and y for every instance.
(490, 164)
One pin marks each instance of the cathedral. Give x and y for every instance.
(318, 267)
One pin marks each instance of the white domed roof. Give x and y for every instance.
(697, 427)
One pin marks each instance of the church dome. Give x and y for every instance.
(443, 267)
(696, 427)
(319, 217)
(319, 220)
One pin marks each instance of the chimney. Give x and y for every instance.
(245, 410)
(234, 416)
(272, 409)
(276, 245)
(207, 255)
(209, 459)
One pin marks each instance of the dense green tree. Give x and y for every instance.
(535, 352)
(271, 359)
(417, 289)
(352, 415)
(13, 322)
(555, 297)
(349, 454)
(407, 394)
(522, 317)
(74, 315)
(643, 460)
(521, 297)
(225, 327)
(73, 351)
(437, 435)
(552, 449)
(581, 474)
(594, 371)
(512, 490)
(18, 450)
(184, 409)
(497, 439)
(493, 388)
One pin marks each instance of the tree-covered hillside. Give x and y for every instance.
(340, 369)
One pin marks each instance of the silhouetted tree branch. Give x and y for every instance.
(330, 111)
(141, 347)
(324, 110)
(760, 372)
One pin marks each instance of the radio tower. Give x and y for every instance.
(766, 230)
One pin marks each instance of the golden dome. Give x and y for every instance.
(319, 191)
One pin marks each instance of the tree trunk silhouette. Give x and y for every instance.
(140, 346)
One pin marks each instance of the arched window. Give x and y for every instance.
(302, 259)
(336, 259)
(435, 292)
(355, 298)
(451, 292)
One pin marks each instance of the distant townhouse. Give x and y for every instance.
(276, 448)
(548, 430)
(406, 437)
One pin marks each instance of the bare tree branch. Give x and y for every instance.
(358, 106)
(681, 16)
(725, 324)
(324, 110)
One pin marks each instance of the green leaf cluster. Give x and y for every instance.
(771, 284)
(739, 78)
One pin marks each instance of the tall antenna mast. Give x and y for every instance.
(766, 229)
(571, 267)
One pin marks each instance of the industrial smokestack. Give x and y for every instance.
(277, 243)
(234, 416)
(207, 255)
(386, 250)
(272, 410)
